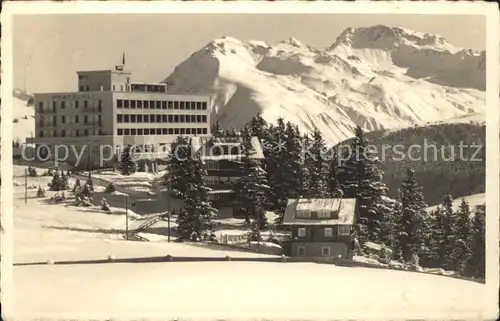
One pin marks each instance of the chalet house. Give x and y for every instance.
(221, 157)
(320, 227)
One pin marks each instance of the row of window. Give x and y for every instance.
(317, 214)
(161, 131)
(141, 118)
(343, 230)
(161, 104)
(301, 250)
(64, 104)
(68, 119)
(70, 133)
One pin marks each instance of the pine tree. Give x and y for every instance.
(230, 133)
(128, 164)
(77, 184)
(58, 182)
(360, 178)
(258, 126)
(196, 223)
(413, 227)
(255, 231)
(448, 222)
(274, 158)
(477, 260)
(317, 167)
(460, 251)
(252, 189)
(175, 177)
(217, 130)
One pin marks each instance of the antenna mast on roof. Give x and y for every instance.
(120, 67)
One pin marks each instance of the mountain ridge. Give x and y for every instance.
(337, 88)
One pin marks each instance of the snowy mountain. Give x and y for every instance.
(23, 114)
(377, 77)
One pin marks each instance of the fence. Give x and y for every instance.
(229, 239)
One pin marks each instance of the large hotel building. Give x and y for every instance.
(110, 111)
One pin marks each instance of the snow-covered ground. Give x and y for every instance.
(376, 77)
(473, 200)
(139, 181)
(55, 232)
(24, 120)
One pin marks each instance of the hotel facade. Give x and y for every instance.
(110, 111)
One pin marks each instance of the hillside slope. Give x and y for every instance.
(434, 152)
(23, 114)
(377, 77)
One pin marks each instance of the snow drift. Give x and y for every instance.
(377, 77)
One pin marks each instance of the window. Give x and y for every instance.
(40, 106)
(146, 104)
(63, 133)
(188, 118)
(170, 131)
(120, 131)
(198, 131)
(324, 214)
(86, 132)
(204, 106)
(139, 104)
(40, 133)
(176, 131)
(163, 118)
(63, 119)
(164, 131)
(301, 250)
(183, 131)
(77, 119)
(126, 118)
(85, 104)
(132, 118)
(85, 119)
(151, 104)
(113, 87)
(139, 118)
(127, 104)
(328, 232)
(301, 231)
(54, 106)
(158, 118)
(99, 105)
(176, 105)
(76, 104)
(152, 118)
(126, 131)
(182, 118)
(158, 104)
(181, 105)
(77, 132)
(344, 230)
(82, 88)
(140, 131)
(63, 104)
(170, 118)
(170, 105)
(303, 214)
(334, 215)
(188, 131)
(163, 105)
(132, 104)
(204, 130)
(203, 118)
(146, 131)
(325, 250)
(133, 131)
(198, 105)
(99, 120)
(158, 131)
(119, 103)
(176, 118)
(119, 118)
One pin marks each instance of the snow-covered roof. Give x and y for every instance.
(207, 145)
(346, 210)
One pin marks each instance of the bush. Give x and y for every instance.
(32, 171)
(40, 192)
(59, 182)
(77, 184)
(110, 188)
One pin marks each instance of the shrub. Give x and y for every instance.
(40, 192)
(110, 188)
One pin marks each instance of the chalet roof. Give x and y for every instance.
(207, 145)
(346, 210)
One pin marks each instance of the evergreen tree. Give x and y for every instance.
(197, 214)
(217, 130)
(317, 167)
(176, 171)
(446, 239)
(258, 126)
(230, 133)
(128, 164)
(413, 228)
(58, 183)
(77, 184)
(360, 177)
(460, 251)
(477, 260)
(252, 189)
(255, 231)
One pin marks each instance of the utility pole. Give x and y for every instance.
(26, 186)
(88, 163)
(126, 216)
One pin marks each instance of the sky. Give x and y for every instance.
(49, 49)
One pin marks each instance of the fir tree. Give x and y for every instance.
(255, 231)
(460, 251)
(274, 153)
(217, 130)
(128, 164)
(197, 222)
(77, 184)
(445, 225)
(258, 127)
(360, 178)
(58, 183)
(251, 188)
(230, 133)
(175, 177)
(476, 261)
(413, 228)
(317, 168)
